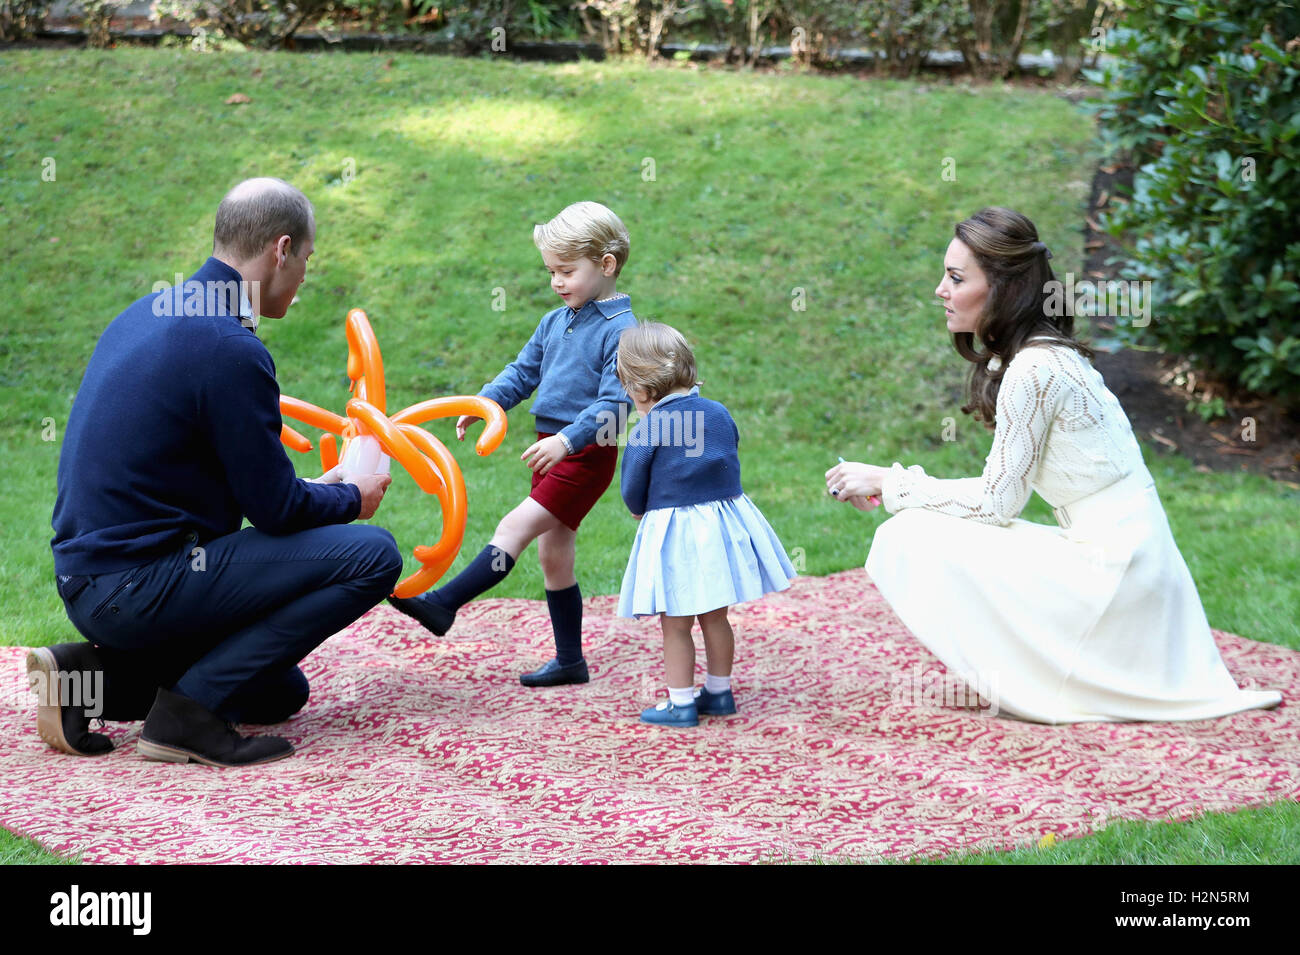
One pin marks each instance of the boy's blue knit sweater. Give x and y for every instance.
(176, 429)
(685, 451)
(571, 361)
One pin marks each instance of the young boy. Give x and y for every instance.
(571, 362)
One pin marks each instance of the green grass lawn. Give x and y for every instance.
(746, 195)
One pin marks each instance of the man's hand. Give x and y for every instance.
(372, 488)
(463, 423)
(545, 454)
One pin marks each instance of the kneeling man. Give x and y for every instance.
(173, 440)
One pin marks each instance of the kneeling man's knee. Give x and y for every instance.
(371, 555)
(385, 558)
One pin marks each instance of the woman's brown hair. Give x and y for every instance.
(1014, 262)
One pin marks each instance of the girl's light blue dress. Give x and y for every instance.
(700, 557)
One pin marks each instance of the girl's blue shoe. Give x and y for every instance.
(666, 714)
(715, 704)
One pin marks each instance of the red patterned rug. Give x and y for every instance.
(415, 749)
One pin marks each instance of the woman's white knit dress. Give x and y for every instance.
(1097, 619)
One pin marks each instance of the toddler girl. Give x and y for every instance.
(701, 545)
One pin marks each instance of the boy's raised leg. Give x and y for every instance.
(437, 609)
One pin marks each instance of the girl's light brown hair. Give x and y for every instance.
(1014, 262)
(656, 359)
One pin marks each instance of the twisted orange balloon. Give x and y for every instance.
(425, 457)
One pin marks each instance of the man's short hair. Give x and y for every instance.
(258, 211)
(584, 230)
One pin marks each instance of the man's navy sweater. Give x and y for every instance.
(176, 430)
(684, 451)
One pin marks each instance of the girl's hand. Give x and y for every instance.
(463, 423)
(852, 479)
(545, 454)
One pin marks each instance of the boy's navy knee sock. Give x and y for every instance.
(566, 620)
(484, 572)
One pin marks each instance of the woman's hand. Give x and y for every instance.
(850, 480)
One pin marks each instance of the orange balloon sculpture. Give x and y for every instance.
(399, 436)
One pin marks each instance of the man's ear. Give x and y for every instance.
(283, 246)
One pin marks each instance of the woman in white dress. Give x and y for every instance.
(1096, 619)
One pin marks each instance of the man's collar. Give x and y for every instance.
(216, 271)
(247, 317)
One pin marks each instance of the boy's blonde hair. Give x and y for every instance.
(585, 230)
(655, 357)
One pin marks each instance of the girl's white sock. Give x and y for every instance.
(681, 697)
(717, 684)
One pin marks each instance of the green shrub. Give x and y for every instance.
(96, 17)
(19, 19)
(477, 26)
(904, 32)
(1205, 98)
(261, 23)
(989, 34)
(1074, 30)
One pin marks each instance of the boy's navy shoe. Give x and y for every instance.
(715, 704)
(669, 714)
(431, 614)
(551, 673)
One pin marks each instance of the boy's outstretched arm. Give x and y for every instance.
(520, 378)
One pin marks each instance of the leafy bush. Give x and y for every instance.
(633, 26)
(19, 19)
(264, 23)
(817, 27)
(904, 32)
(1075, 30)
(742, 24)
(96, 16)
(990, 34)
(476, 26)
(1205, 98)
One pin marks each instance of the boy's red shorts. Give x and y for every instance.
(570, 489)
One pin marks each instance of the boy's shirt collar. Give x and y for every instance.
(608, 308)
